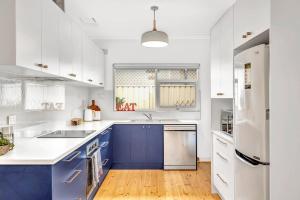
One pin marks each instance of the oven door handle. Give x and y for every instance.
(89, 156)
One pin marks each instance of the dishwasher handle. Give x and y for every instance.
(180, 127)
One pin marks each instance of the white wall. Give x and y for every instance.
(285, 100)
(75, 98)
(179, 51)
(217, 105)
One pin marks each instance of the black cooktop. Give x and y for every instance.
(67, 134)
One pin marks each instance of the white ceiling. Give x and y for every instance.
(128, 19)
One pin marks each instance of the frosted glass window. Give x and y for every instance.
(156, 88)
(134, 90)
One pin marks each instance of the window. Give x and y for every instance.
(158, 88)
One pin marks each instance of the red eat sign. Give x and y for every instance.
(126, 107)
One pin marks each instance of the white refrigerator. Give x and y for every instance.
(251, 123)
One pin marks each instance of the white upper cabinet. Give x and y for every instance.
(77, 51)
(251, 18)
(222, 57)
(38, 39)
(93, 63)
(88, 60)
(65, 47)
(100, 67)
(50, 37)
(28, 31)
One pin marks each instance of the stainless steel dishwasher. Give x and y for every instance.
(180, 147)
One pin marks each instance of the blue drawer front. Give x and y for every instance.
(105, 135)
(70, 184)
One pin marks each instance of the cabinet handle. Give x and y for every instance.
(220, 94)
(249, 33)
(90, 80)
(224, 143)
(73, 75)
(38, 65)
(219, 176)
(45, 66)
(104, 144)
(76, 154)
(222, 156)
(104, 132)
(100, 83)
(104, 162)
(73, 176)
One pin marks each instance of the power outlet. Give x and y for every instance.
(11, 119)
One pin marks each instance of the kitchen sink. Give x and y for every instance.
(154, 121)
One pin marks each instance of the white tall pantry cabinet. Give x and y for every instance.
(38, 39)
(222, 57)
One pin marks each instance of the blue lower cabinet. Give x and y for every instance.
(137, 146)
(121, 144)
(18, 182)
(155, 146)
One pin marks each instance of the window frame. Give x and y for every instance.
(156, 67)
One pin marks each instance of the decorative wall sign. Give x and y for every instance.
(121, 105)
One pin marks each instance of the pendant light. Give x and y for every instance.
(155, 38)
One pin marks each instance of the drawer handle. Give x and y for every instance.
(73, 75)
(222, 156)
(219, 176)
(90, 80)
(224, 143)
(104, 144)
(76, 154)
(45, 66)
(220, 94)
(39, 65)
(104, 162)
(104, 132)
(73, 176)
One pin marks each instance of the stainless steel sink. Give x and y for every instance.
(141, 121)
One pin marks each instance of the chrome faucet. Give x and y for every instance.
(148, 115)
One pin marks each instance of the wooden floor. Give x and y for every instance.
(157, 185)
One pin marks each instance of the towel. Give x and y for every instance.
(97, 165)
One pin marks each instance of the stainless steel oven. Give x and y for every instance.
(91, 183)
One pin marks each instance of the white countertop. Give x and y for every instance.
(30, 150)
(224, 136)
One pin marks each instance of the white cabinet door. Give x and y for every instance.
(251, 18)
(226, 49)
(100, 68)
(215, 61)
(88, 60)
(222, 57)
(50, 37)
(28, 33)
(65, 47)
(77, 51)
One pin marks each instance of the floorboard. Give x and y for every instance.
(157, 185)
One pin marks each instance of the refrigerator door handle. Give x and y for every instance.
(248, 161)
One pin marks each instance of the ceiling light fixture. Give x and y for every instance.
(155, 38)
